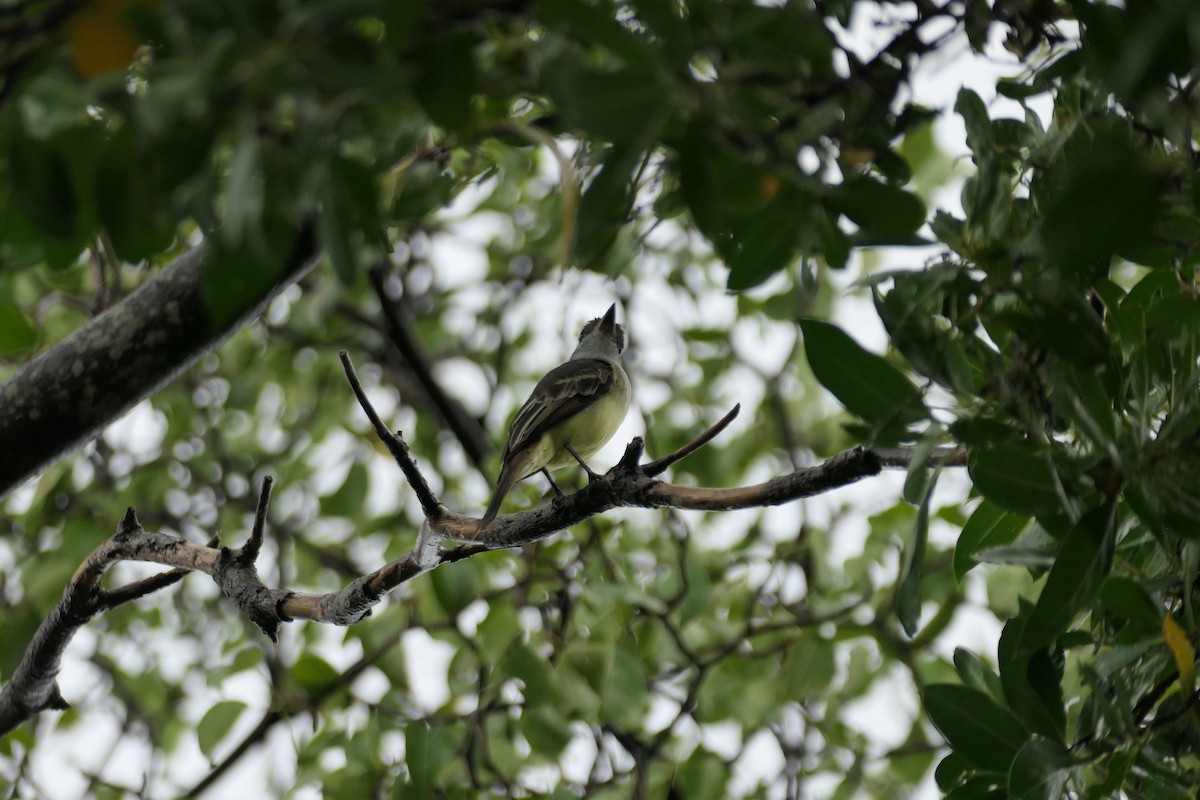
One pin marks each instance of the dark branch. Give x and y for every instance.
(901, 457)
(139, 589)
(656, 468)
(466, 428)
(69, 393)
(33, 688)
(395, 444)
(237, 576)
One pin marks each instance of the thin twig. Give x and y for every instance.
(254, 544)
(901, 457)
(659, 466)
(395, 445)
(139, 589)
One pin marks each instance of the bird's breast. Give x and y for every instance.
(590, 429)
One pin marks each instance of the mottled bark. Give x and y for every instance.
(65, 396)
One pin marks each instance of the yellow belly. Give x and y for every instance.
(586, 432)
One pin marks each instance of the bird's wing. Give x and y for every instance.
(562, 393)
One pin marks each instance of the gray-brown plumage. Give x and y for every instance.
(578, 404)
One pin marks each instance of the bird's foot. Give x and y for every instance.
(592, 476)
(557, 491)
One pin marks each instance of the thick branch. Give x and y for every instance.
(33, 688)
(66, 395)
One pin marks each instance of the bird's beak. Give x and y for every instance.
(608, 323)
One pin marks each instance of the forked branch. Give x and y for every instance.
(630, 483)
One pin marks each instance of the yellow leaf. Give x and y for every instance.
(1181, 648)
(102, 37)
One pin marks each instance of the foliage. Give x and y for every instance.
(1055, 335)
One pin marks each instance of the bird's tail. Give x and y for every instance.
(509, 474)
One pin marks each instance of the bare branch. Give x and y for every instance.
(254, 544)
(901, 457)
(655, 468)
(394, 443)
(34, 687)
(139, 589)
(68, 393)
(628, 484)
(237, 576)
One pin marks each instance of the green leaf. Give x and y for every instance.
(42, 187)
(133, 211)
(447, 77)
(238, 272)
(1107, 204)
(989, 526)
(614, 675)
(1018, 476)
(427, 750)
(1018, 90)
(908, 591)
(314, 674)
(1087, 404)
(456, 586)
(981, 787)
(350, 498)
(604, 207)
(1032, 681)
(808, 668)
(592, 23)
(1039, 771)
(737, 689)
(986, 196)
(950, 771)
(215, 724)
(702, 777)
(17, 332)
(1116, 768)
(533, 670)
(835, 244)
(667, 22)
(1128, 600)
(866, 384)
(977, 675)
(612, 105)
(244, 186)
(546, 730)
(1061, 321)
(767, 242)
(498, 629)
(1083, 560)
(888, 213)
(624, 693)
(975, 727)
(335, 225)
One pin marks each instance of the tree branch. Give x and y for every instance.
(466, 428)
(34, 689)
(69, 393)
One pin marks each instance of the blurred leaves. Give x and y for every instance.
(716, 146)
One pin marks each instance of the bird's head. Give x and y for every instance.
(606, 327)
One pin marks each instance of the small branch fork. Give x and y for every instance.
(34, 689)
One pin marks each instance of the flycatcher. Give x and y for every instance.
(572, 412)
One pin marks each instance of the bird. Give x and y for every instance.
(571, 413)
